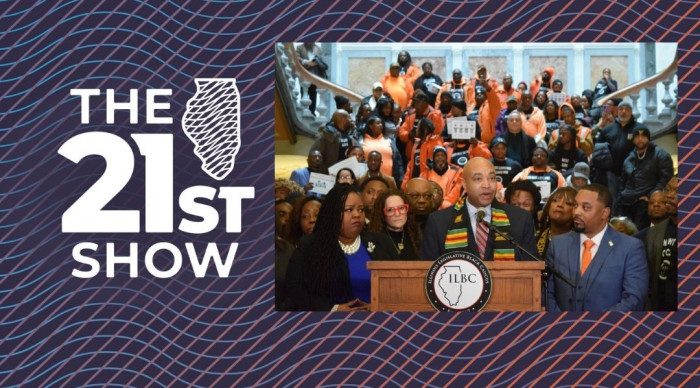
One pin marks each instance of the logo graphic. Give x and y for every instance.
(458, 281)
(212, 122)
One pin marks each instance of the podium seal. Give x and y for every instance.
(458, 281)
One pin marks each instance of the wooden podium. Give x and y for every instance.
(400, 286)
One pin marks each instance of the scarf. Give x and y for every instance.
(457, 235)
(543, 242)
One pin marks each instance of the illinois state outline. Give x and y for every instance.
(452, 292)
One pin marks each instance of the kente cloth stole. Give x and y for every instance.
(457, 237)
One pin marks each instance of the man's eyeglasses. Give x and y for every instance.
(426, 196)
(401, 209)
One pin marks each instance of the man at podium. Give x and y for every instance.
(459, 228)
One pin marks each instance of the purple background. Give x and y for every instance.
(56, 329)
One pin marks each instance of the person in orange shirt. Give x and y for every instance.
(459, 88)
(506, 90)
(421, 109)
(427, 138)
(374, 140)
(408, 70)
(397, 87)
(488, 111)
(541, 172)
(461, 150)
(482, 74)
(542, 81)
(448, 176)
(533, 122)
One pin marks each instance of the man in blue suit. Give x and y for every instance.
(609, 269)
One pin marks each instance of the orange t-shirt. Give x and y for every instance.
(400, 90)
(383, 146)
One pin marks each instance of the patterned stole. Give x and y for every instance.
(543, 242)
(457, 235)
(501, 250)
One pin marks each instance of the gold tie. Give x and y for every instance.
(586, 258)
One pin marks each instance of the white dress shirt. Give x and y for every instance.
(472, 215)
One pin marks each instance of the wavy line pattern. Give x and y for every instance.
(61, 330)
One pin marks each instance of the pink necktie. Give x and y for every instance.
(482, 235)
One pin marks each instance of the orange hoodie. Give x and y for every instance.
(535, 85)
(434, 115)
(426, 152)
(450, 181)
(412, 73)
(488, 114)
(535, 126)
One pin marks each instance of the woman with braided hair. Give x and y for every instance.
(328, 269)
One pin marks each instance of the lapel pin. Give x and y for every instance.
(370, 247)
(611, 243)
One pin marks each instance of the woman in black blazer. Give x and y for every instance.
(393, 217)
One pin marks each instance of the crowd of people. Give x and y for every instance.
(580, 185)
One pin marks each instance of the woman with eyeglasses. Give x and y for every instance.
(346, 175)
(392, 216)
(328, 269)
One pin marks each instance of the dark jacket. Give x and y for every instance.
(328, 142)
(641, 177)
(663, 267)
(298, 284)
(525, 150)
(564, 161)
(522, 229)
(620, 139)
(423, 85)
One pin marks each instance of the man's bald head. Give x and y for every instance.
(514, 122)
(526, 99)
(341, 119)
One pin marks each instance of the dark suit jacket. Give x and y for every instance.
(616, 280)
(522, 229)
(663, 295)
(298, 289)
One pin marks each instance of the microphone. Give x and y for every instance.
(480, 214)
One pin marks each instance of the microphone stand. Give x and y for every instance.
(547, 265)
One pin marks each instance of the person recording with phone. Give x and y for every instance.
(606, 85)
